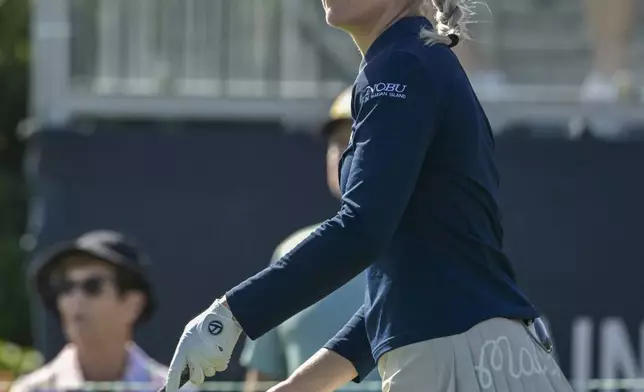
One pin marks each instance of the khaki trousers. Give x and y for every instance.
(497, 355)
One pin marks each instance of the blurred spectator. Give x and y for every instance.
(98, 288)
(275, 355)
(610, 25)
(487, 78)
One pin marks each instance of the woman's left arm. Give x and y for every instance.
(396, 116)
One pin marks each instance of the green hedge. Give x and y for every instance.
(19, 360)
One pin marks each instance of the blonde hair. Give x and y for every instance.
(451, 18)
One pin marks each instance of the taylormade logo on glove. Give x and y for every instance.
(205, 347)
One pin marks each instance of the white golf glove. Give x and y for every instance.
(205, 347)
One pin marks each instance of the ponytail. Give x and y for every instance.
(451, 18)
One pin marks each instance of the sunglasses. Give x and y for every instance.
(92, 286)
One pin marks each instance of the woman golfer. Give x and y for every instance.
(442, 311)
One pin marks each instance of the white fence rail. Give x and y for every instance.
(213, 55)
(203, 47)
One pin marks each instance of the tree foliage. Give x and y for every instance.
(14, 71)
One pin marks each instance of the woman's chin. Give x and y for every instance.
(334, 19)
(339, 18)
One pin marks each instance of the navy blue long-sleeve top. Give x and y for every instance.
(419, 210)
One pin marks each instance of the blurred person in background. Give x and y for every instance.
(488, 80)
(610, 78)
(98, 288)
(276, 355)
(610, 24)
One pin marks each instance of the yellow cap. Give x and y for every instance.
(340, 110)
(341, 107)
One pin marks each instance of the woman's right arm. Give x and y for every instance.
(325, 371)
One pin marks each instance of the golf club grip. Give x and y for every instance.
(185, 377)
